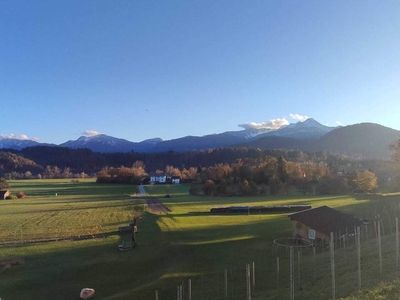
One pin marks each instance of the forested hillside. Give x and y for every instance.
(226, 171)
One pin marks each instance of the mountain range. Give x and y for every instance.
(365, 139)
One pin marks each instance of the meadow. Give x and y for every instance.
(186, 243)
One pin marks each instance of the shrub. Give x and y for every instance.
(11, 197)
(21, 194)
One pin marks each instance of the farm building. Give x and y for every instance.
(4, 194)
(175, 179)
(316, 224)
(163, 178)
(158, 178)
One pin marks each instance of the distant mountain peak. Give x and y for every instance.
(153, 141)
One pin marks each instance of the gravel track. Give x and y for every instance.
(156, 206)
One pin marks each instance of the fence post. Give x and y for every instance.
(254, 275)
(226, 284)
(332, 250)
(189, 289)
(315, 264)
(202, 287)
(248, 282)
(299, 266)
(232, 291)
(379, 249)
(359, 256)
(397, 243)
(277, 272)
(218, 292)
(291, 268)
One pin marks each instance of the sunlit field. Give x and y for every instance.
(186, 243)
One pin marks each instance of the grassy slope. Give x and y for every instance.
(182, 244)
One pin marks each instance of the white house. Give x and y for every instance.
(175, 179)
(158, 178)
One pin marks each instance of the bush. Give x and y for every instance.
(21, 195)
(11, 197)
(195, 189)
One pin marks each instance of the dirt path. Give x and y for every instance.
(156, 206)
(141, 190)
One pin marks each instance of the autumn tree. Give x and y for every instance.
(139, 169)
(208, 187)
(3, 184)
(171, 170)
(189, 173)
(366, 181)
(66, 173)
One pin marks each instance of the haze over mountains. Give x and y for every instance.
(365, 139)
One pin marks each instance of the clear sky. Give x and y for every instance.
(144, 69)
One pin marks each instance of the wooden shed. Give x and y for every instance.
(316, 224)
(4, 194)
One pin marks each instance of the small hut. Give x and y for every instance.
(4, 194)
(317, 224)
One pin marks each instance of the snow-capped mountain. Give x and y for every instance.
(17, 144)
(105, 143)
(309, 129)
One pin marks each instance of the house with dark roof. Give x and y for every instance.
(4, 194)
(317, 223)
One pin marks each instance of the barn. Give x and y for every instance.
(316, 224)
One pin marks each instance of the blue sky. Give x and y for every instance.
(145, 69)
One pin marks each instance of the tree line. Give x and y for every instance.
(225, 171)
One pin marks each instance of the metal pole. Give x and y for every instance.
(254, 275)
(332, 250)
(277, 272)
(190, 289)
(248, 282)
(397, 243)
(379, 249)
(218, 284)
(299, 266)
(226, 283)
(202, 287)
(315, 264)
(291, 274)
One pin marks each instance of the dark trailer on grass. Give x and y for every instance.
(258, 209)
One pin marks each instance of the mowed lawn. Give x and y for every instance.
(60, 208)
(186, 243)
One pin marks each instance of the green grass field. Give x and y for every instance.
(186, 243)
